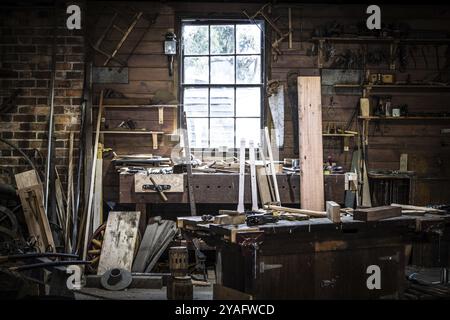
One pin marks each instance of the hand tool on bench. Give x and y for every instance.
(253, 176)
(240, 207)
(187, 151)
(260, 219)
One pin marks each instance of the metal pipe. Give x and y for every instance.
(79, 174)
(49, 163)
(37, 255)
(22, 153)
(48, 264)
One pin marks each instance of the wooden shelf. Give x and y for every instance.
(142, 106)
(403, 118)
(442, 41)
(338, 135)
(392, 86)
(130, 132)
(353, 39)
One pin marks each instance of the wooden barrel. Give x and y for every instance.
(180, 288)
(178, 261)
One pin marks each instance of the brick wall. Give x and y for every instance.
(26, 38)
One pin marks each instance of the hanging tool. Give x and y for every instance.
(290, 27)
(291, 80)
(253, 176)
(240, 207)
(187, 152)
(272, 166)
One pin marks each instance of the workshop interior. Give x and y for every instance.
(224, 150)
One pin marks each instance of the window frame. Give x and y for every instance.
(261, 85)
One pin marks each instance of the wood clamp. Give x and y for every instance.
(160, 188)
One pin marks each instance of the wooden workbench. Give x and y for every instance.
(223, 188)
(312, 259)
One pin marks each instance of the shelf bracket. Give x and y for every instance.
(161, 115)
(155, 141)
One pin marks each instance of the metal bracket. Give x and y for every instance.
(395, 257)
(265, 267)
(159, 187)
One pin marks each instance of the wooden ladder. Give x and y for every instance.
(113, 24)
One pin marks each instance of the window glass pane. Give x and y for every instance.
(248, 129)
(221, 102)
(196, 70)
(222, 39)
(222, 132)
(248, 69)
(248, 102)
(198, 132)
(222, 70)
(248, 38)
(195, 102)
(195, 40)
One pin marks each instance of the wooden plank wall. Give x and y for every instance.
(428, 150)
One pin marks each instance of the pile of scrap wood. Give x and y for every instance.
(394, 210)
(157, 237)
(120, 253)
(422, 291)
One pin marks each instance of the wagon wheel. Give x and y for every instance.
(8, 225)
(95, 248)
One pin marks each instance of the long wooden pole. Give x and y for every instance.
(91, 187)
(241, 207)
(253, 176)
(312, 213)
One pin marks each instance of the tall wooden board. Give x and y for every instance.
(310, 143)
(119, 241)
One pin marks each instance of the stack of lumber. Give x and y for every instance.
(157, 237)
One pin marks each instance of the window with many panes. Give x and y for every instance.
(222, 82)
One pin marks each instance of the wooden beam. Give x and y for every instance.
(333, 211)
(251, 151)
(27, 179)
(241, 207)
(377, 213)
(88, 212)
(418, 208)
(310, 143)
